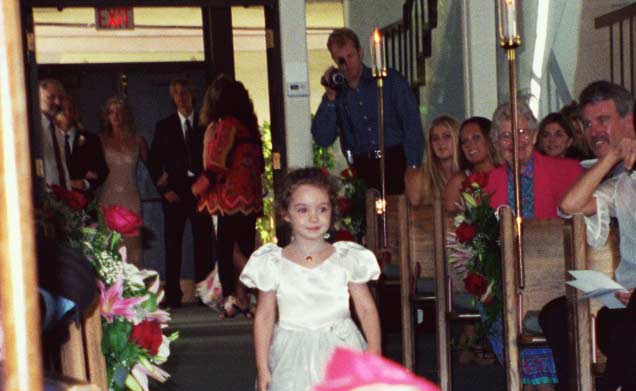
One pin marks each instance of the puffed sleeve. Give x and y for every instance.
(261, 271)
(359, 262)
(598, 225)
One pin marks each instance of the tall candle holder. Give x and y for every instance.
(379, 72)
(510, 40)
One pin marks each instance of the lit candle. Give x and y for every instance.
(377, 52)
(508, 20)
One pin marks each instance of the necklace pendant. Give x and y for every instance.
(309, 259)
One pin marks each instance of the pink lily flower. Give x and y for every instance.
(159, 315)
(143, 369)
(113, 304)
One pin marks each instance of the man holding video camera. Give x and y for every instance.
(349, 109)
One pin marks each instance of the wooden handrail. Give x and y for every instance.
(614, 17)
(619, 18)
(410, 38)
(18, 294)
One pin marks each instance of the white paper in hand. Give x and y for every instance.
(597, 285)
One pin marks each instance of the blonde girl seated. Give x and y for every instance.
(440, 162)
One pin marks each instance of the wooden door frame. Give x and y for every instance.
(216, 19)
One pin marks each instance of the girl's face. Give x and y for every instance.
(309, 212)
(442, 142)
(116, 116)
(474, 144)
(554, 140)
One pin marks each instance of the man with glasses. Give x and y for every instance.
(349, 110)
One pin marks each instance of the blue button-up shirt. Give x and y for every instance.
(355, 113)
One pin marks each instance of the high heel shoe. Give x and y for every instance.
(231, 309)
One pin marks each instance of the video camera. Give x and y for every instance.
(334, 80)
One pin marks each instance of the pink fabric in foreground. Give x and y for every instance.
(349, 370)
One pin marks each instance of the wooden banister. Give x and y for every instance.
(617, 20)
(408, 41)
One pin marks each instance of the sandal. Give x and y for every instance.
(231, 309)
(483, 355)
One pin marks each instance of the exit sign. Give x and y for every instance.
(116, 18)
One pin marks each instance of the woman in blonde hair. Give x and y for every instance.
(440, 162)
(123, 149)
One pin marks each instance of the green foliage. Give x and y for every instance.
(265, 226)
(324, 157)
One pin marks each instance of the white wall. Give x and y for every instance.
(294, 53)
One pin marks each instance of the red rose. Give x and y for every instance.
(147, 335)
(73, 199)
(325, 172)
(478, 178)
(344, 235)
(122, 220)
(348, 173)
(465, 232)
(475, 284)
(344, 204)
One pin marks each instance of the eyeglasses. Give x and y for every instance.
(524, 134)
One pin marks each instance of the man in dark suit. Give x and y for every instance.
(86, 167)
(176, 160)
(73, 158)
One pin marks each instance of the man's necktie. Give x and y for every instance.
(188, 142)
(58, 156)
(67, 152)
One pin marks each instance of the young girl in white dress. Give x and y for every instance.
(310, 282)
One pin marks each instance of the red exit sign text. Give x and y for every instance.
(117, 18)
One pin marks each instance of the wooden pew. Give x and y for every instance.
(544, 242)
(446, 291)
(81, 356)
(410, 238)
(589, 361)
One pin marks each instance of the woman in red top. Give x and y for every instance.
(231, 184)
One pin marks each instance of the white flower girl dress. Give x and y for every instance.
(313, 309)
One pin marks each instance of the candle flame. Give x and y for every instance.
(377, 35)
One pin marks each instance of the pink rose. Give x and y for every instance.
(122, 220)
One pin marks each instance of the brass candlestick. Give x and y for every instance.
(510, 40)
(379, 73)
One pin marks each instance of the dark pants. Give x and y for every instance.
(368, 168)
(236, 229)
(175, 216)
(615, 335)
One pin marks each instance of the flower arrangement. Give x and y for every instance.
(474, 249)
(351, 207)
(351, 221)
(133, 342)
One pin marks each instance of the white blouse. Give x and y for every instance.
(616, 197)
(310, 297)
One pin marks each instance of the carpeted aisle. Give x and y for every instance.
(211, 354)
(217, 355)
